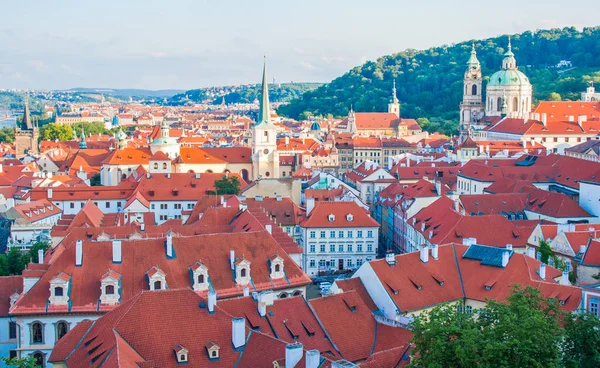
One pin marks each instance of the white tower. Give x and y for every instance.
(265, 158)
(394, 105)
(471, 107)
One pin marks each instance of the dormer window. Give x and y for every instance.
(156, 279)
(199, 276)
(59, 286)
(181, 354)
(349, 217)
(109, 288)
(331, 217)
(213, 351)
(242, 270)
(13, 299)
(276, 263)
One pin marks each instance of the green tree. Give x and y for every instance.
(545, 251)
(27, 362)
(16, 261)
(553, 96)
(95, 180)
(33, 251)
(52, 132)
(581, 347)
(227, 185)
(3, 265)
(7, 135)
(525, 332)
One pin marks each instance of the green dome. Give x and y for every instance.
(509, 77)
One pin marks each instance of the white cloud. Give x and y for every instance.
(38, 65)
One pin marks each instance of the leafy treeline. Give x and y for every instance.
(64, 132)
(243, 94)
(429, 82)
(528, 331)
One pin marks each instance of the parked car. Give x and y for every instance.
(318, 280)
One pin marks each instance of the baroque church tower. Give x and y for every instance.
(394, 105)
(265, 158)
(471, 107)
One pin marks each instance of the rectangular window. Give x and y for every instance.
(107, 204)
(72, 205)
(190, 206)
(369, 234)
(177, 206)
(12, 354)
(349, 263)
(341, 247)
(349, 233)
(118, 204)
(358, 262)
(312, 263)
(312, 248)
(313, 234)
(594, 306)
(340, 234)
(12, 330)
(322, 234)
(322, 248)
(322, 263)
(359, 234)
(349, 248)
(152, 206)
(332, 248)
(332, 234)
(359, 248)
(369, 247)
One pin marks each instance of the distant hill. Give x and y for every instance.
(429, 82)
(283, 92)
(126, 93)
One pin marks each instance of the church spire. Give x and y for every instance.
(26, 118)
(264, 115)
(394, 95)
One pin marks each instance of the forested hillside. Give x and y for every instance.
(429, 82)
(283, 92)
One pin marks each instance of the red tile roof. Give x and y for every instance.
(320, 216)
(561, 110)
(591, 256)
(8, 286)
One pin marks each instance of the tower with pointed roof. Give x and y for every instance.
(394, 105)
(265, 158)
(509, 91)
(82, 142)
(471, 107)
(26, 135)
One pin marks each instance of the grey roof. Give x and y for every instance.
(585, 146)
(489, 256)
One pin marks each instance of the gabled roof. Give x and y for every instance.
(320, 216)
(8, 286)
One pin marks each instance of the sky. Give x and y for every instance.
(185, 44)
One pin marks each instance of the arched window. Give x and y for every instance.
(156, 165)
(297, 293)
(157, 285)
(201, 279)
(62, 328)
(283, 295)
(277, 268)
(515, 104)
(244, 174)
(164, 165)
(109, 290)
(39, 359)
(474, 90)
(499, 106)
(243, 272)
(37, 333)
(266, 137)
(209, 171)
(58, 291)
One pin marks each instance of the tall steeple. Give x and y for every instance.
(264, 113)
(394, 95)
(26, 118)
(82, 142)
(394, 105)
(509, 61)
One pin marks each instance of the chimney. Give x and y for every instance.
(265, 299)
(564, 279)
(142, 226)
(509, 247)
(238, 332)
(169, 245)
(571, 118)
(116, 251)
(148, 175)
(168, 175)
(212, 301)
(390, 258)
(40, 256)
(313, 359)
(279, 199)
(269, 228)
(424, 254)
(542, 271)
(505, 258)
(197, 175)
(544, 119)
(287, 140)
(531, 252)
(581, 119)
(78, 253)
(422, 226)
(438, 187)
(582, 249)
(246, 291)
(310, 204)
(293, 354)
(232, 259)
(434, 251)
(456, 206)
(49, 193)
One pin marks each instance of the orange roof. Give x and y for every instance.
(561, 110)
(320, 216)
